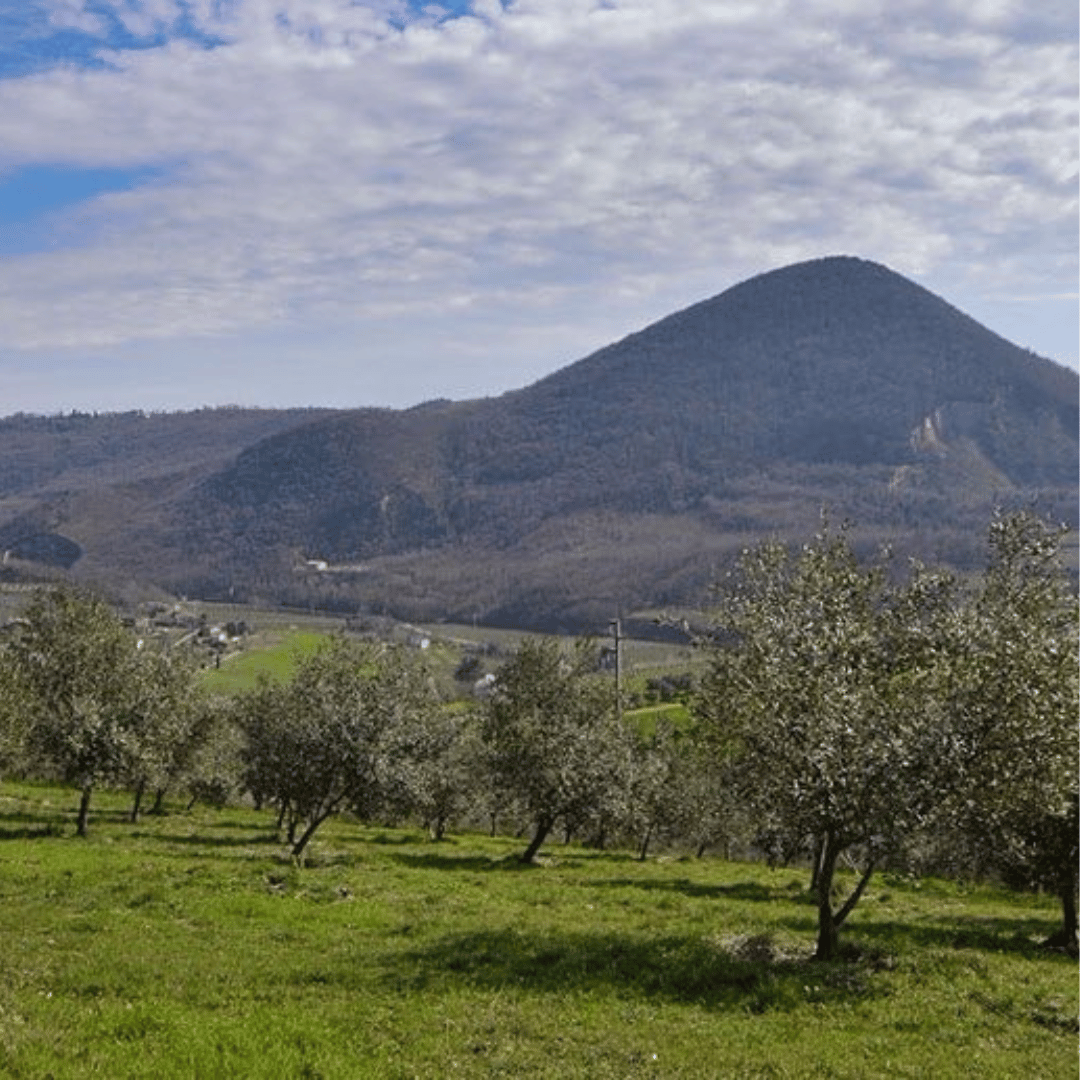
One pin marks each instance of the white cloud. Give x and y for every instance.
(73, 15)
(336, 162)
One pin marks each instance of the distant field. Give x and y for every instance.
(272, 656)
(279, 637)
(192, 946)
(638, 655)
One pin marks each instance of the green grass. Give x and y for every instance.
(648, 716)
(278, 634)
(270, 656)
(191, 946)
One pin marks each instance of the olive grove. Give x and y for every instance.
(849, 710)
(1012, 708)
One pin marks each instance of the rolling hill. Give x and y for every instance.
(623, 481)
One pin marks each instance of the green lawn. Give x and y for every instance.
(191, 946)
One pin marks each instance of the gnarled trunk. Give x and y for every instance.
(828, 931)
(856, 894)
(815, 868)
(643, 851)
(829, 922)
(543, 827)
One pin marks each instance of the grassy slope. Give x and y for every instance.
(189, 946)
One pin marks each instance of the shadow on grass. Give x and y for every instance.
(199, 839)
(214, 819)
(1018, 936)
(741, 890)
(34, 829)
(433, 860)
(410, 836)
(749, 974)
(787, 893)
(52, 821)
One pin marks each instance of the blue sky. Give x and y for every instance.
(340, 202)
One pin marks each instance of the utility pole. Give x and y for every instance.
(616, 631)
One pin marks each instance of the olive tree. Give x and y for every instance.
(15, 713)
(80, 667)
(261, 716)
(553, 739)
(168, 717)
(1013, 713)
(669, 792)
(434, 767)
(213, 757)
(820, 701)
(325, 740)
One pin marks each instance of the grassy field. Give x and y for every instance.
(281, 637)
(273, 655)
(190, 946)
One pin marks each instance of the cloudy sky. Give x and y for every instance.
(354, 202)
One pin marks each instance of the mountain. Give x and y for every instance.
(66, 471)
(623, 481)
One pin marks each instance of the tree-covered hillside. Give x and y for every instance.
(627, 478)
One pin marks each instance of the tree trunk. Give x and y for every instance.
(644, 851)
(543, 827)
(317, 819)
(308, 833)
(136, 803)
(815, 869)
(159, 802)
(856, 896)
(828, 931)
(1067, 936)
(84, 810)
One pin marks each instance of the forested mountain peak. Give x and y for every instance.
(816, 324)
